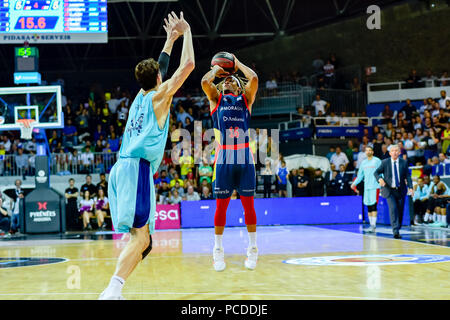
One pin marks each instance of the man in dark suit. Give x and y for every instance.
(394, 184)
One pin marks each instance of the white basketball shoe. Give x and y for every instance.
(252, 258)
(105, 296)
(219, 259)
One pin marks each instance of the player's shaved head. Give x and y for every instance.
(146, 73)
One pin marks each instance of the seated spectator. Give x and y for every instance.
(333, 120)
(443, 159)
(320, 121)
(175, 179)
(163, 191)
(408, 110)
(186, 164)
(318, 184)
(175, 197)
(271, 86)
(339, 158)
(114, 142)
(355, 85)
(101, 209)
(282, 176)
(387, 114)
(420, 199)
(206, 194)
(191, 195)
(429, 79)
(182, 115)
(86, 210)
(445, 138)
(178, 188)
(163, 178)
(99, 132)
(70, 134)
(384, 152)
(205, 172)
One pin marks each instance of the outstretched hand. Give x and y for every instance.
(172, 33)
(179, 24)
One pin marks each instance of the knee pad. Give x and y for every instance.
(149, 248)
(249, 209)
(220, 218)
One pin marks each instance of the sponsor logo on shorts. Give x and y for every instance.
(369, 260)
(26, 262)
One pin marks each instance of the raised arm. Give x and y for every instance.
(164, 57)
(252, 85)
(168, 88)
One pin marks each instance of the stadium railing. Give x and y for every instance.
(401, 90)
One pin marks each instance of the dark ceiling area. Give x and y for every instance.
(136, 32)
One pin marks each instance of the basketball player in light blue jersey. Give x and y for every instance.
(371, 186)
(131, 189)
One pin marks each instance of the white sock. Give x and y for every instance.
(370, 220)
(374, 222)
(252, 239)
(218, 240)
(115, 286)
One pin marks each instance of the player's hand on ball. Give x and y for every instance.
(219, 71)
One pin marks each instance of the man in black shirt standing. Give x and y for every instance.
(293, 179)
(342, 182)
(318, 184)
(89, 186)
(302, 183)
(71, 195)
(103, 184)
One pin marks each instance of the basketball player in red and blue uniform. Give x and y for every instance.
(234, 168)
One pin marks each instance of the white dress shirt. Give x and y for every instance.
(393, 174)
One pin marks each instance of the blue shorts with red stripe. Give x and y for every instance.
(234, 170)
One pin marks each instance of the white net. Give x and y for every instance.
(26, 129)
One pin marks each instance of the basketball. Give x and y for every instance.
(224, 60)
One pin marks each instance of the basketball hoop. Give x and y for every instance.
(26, 128)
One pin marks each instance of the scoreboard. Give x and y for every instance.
(53, 21)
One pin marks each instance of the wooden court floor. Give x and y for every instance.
(325, 263)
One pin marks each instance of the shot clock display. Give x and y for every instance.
(53, 21)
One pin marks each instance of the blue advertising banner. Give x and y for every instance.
(296, 133)
(339, 131)
(278, 211)
(375, 109)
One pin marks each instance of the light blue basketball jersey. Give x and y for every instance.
(366, 172)
(142, 137)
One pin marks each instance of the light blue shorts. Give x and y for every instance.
(371, 196)
(131, 195)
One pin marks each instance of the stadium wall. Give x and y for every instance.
(394, 50)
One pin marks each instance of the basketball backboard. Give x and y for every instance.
(39, 103)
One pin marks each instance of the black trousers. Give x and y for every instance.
(396, 203)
